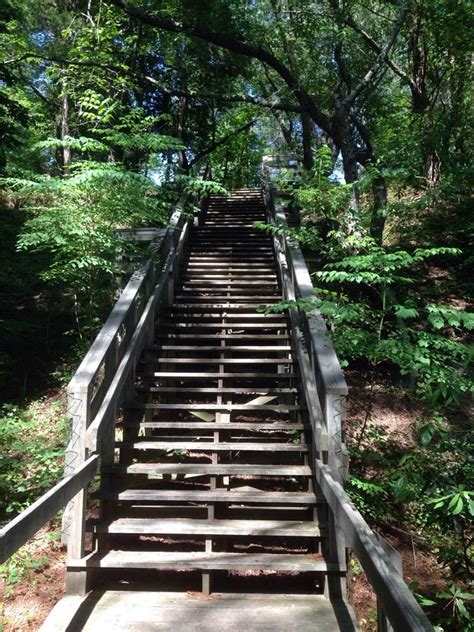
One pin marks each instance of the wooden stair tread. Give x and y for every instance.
(198, 360)
(193, 526)
(260, 300)
(235, 390)
(218, 336)
(180, 326)
(204, 496)
(215, 425)
(201, 560)
(223, 376)
(218, 407)
(206, 446)
(191, 311)
(228, 348)
(211, 469)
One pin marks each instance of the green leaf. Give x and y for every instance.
(406, 312)
(424, 601)
(459, 506)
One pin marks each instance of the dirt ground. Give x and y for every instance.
(28, 593)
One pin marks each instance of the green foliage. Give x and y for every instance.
(195, 187)
(370, 497)
(456, 603)
(449, 607)
(378, 330)
(379, 267)
(19, 567)
(79, 144)
(317, 195)
(31, 453)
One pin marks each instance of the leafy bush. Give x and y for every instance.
(31, 452)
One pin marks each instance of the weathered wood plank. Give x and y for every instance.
(202, 446)
(223, 376)
(222, 407)
(194, 526)
(199, 360)
(206, 469)
(222, 496)
(204, 561)
(211, 426)
(173, 612)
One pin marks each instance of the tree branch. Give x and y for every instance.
(233, 98)
(220, 142)
(382, 58)
(226, 41)
(378, 49)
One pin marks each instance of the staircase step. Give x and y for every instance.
(138, 496)
(259, 301)
(218, 407)
(231, 276)
(231, 259)
(221, 376)
(202, 560)
(191, 314)
(217, 291)
(198, 360)
(211, 426)
(235, 390)
(227, 349)
(245, 266)
(235, 282)
(211, 469)
(190, 526)
(218, 307)
(184, 325)
(218, 336)
(201, 446)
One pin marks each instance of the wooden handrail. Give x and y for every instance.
(399, 604)
(25, 525)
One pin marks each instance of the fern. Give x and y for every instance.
(82, 143)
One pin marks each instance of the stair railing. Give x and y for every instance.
(325, 391)
(323, 382)
(103, 380)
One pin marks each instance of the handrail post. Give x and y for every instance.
(74, 519)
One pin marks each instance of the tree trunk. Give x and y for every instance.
(65, 153)
(307, 133)
(182, 110)
(377, 220)
(346, 143)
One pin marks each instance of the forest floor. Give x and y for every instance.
(378, 409)
(34, 580)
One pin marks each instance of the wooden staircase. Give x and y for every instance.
(213, 470)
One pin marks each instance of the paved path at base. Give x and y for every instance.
(117, 611)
